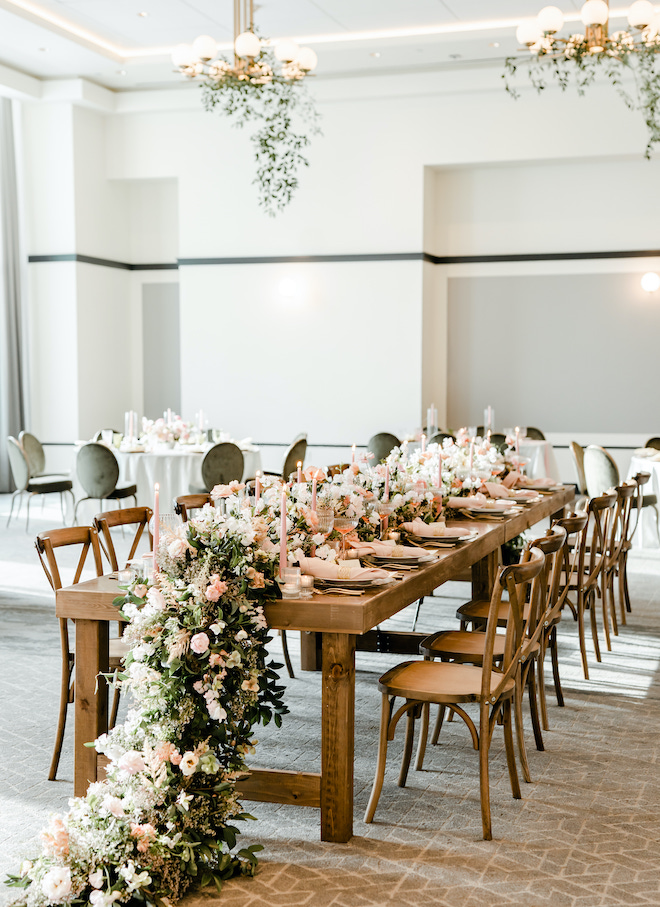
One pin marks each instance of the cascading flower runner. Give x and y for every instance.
(198, 670)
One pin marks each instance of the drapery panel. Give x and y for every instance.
(13, 383)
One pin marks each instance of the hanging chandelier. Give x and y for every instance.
(255, 61)
(263, 84)
(584, 56)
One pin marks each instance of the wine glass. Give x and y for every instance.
(345, 525)
(384, 509)
(326, 520)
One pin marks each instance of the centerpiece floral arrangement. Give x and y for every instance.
(163, 818)
(160, 431)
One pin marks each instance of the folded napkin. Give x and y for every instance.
(638, 452)
(478, 502)
(432, 530)
(496, 490)
(316, 566)
(385, 549)
(540, 482)
(525, 494)
(510, 480)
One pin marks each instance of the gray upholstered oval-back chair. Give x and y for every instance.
(381, 445)
(36, 455)
(25, 482)
(578, 461)
(535, 434)
(654, 443)
(222, 464)
(600, 471)
(294, 455)
(98, 473)
(440, 436)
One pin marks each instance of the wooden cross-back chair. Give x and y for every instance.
(454, 685)
(105, 521)
(616, 559)
(187, 502)
(47, 544)
(466, 646)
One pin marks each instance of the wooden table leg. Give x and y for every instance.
(310, 651)
(338, 737)
(91, 705)
(484, 574)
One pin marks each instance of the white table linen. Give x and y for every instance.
(646, 535)
(542, 462)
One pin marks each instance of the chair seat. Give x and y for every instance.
(461, 645)
(117, 650)
(122, 491)
(48, 484)
(478, 611)
(439, 681)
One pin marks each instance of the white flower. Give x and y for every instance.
(156, 599)
(104, 898)
(132, 762)
(215, 710)
(184, 800)
(177, 548)
(241, 635)
(115, 806)
(96, 878)
(26, 866)
(189, 763)
(56, 884)
(134, 879)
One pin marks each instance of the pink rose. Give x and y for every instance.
(176, 757)
(140, 590)
(199, 643)
(132, 762)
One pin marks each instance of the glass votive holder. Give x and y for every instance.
(306, 586)
(291, 576)
(394, 536)
(125, 577)
(290, 590)
(147, 565)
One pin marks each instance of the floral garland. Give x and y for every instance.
(198, 669)
(163, 819)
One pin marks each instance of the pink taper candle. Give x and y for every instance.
(283, 561)
(299, 477)
(257, 489)
(423, 443)
(471, 453)
(439, 470)
(156, 525)
(314, 493)
(517, 440)
(353, 454)
(387, 481)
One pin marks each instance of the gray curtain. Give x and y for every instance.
(13, 385)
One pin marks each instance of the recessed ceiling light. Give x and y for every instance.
(376, 53)
(494, 44)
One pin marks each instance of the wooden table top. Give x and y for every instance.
(92, 599)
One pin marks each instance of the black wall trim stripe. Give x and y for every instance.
(385, 256)
(104, 262)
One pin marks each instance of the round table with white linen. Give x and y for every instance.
(646, 535)
(175, 470)
(542, 463)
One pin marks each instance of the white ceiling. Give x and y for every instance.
(34, 36)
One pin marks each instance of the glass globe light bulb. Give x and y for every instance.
(595, 12)
(550, 20)
(307, 59)
(287, 51)
(650, 282)
(247, 45)
(641, 14)
(528, 32)
(183, 55)
(205, 47)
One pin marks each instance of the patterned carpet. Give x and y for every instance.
(587, 831)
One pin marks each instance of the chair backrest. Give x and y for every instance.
(336, 469)
(654, 443)
(575, 525)
(34, 451)
(222, 464)
(620, 523)
(187, 502)
(440, 436)
(97, 469)
(294, 455)
(578, 461)
(48, 542)
(595, 540)
(381, 445)
(115, 434)
(535, 434)
(498, 440)
(131, 516)
(518, 580)
(18, 461)
(552, 545)
(600, 470)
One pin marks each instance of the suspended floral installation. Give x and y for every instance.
(263, 85)
(625, 57)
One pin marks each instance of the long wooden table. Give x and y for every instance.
(339, 620)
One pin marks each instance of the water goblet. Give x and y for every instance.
(345, 525)
(384, 509)
(326, 520)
